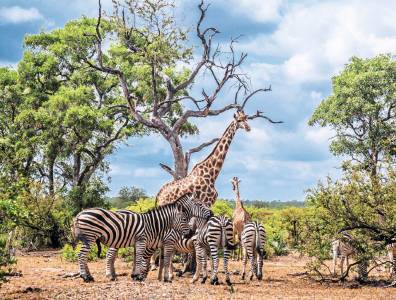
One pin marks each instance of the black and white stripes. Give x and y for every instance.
(252, 241)
(216, 234)
(122, 229)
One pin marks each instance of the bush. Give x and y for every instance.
(70, 254)
(6, 259)
(126, 254)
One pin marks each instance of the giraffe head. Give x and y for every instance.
(235, 183)
(241, 120)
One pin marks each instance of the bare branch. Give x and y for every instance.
(199, 148)
(168, 169)
(259, 114)
(254, 93)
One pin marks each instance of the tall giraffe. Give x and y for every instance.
(202, 177)
(240, 216)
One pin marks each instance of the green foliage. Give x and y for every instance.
(127, 196)
(142, 205)
(361, 109)
(221, 207)
(71, 255)
(126, 254)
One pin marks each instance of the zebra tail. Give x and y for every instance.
(231, 246)
(99, 247)
(259, 246)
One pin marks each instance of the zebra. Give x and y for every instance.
(391, 250)
(217, 233)
(122, 229)
(252, 239)
(183, 244)
(343, 248)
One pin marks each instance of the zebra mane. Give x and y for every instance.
(171, 205)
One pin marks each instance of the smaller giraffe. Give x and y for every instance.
(241, 216)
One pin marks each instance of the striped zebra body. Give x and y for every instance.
(344, 249)
(185, 245)
(216, 234)
(123, 229)
(391, 250)
(253, 238)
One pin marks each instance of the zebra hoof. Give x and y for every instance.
(228, 281)
(243, 277)
(179, 273)
(139, 277)
(204, 280)
(214, 281)
(87, 278)
(168, 280)
(259, 276)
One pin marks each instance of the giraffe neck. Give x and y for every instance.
(215, 160)
(238, 202)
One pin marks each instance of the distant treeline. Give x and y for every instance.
(119, 202)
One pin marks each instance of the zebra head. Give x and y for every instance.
(194, 208)
(180, 222)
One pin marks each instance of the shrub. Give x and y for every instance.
(70, 254)
(126, 254)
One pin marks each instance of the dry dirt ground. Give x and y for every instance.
(43, 277)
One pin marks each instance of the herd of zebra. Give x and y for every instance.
(184, 226)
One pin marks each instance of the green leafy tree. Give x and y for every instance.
(147, 55)
(362, 111)
(129, 195)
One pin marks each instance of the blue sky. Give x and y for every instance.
(296, 46)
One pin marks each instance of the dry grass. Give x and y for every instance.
(43, 279)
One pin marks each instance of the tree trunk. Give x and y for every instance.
(180, 164)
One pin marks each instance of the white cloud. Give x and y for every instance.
(147, 172)
(16, 14)
(315, 39)
(256, 10)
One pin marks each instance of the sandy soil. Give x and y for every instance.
(43, 277)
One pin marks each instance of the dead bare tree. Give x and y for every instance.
(170, 105)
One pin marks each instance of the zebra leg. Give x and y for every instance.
(198, 259)
(167, 259)
(342, 265)
(110, 259)
(252, 257)
(244, 261)
(204, 263)
(82, 260)
(160, 263)
(259, 273)
(215, 265)
(225, 262)
(140, 261)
